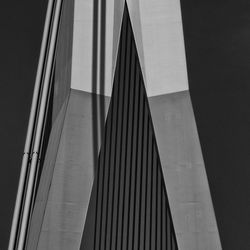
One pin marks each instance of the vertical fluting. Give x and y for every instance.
(129, 195)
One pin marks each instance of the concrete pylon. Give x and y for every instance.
(120, 135)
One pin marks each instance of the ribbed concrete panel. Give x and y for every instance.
(184, 172)
(95, 42)
(72, 176)
(157, 26)
(129, 206)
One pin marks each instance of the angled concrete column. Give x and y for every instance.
(184, 172)
(158, 31)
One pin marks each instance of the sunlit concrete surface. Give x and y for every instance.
(158, 31)
(184, 172)
(95, 39)
(157, 27)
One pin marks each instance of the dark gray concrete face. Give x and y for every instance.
(184, 172)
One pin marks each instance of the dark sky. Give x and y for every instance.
(21, 25)
(217, 40)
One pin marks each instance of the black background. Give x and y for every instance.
(21, 27)
(217, 40)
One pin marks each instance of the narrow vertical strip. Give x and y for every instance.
(128, 138)
(121, 82)
(135, 163)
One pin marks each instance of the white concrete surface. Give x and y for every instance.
(158, 31)
(82, 59)
(159, 39)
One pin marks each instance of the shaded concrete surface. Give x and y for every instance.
(72, 178)
(184, 172)
(45, 179)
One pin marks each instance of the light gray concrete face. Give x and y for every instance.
(95, 39)
(73, 175)
(63, 57)
(184, 172)
(158, 31)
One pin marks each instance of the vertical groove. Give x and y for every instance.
(124, 138)
(128, 82)
(112, 168)
(141, 174)
(135, 182)
(98, 177)
(131, 157)
(156, 203)
(146, 187)
(151, 199)
(158, 240)
(116, 132)
(115, 155)
(118, 140)
(164, 229)
(109, 174)
(122, 75)
(109, 125)
(161, 246)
